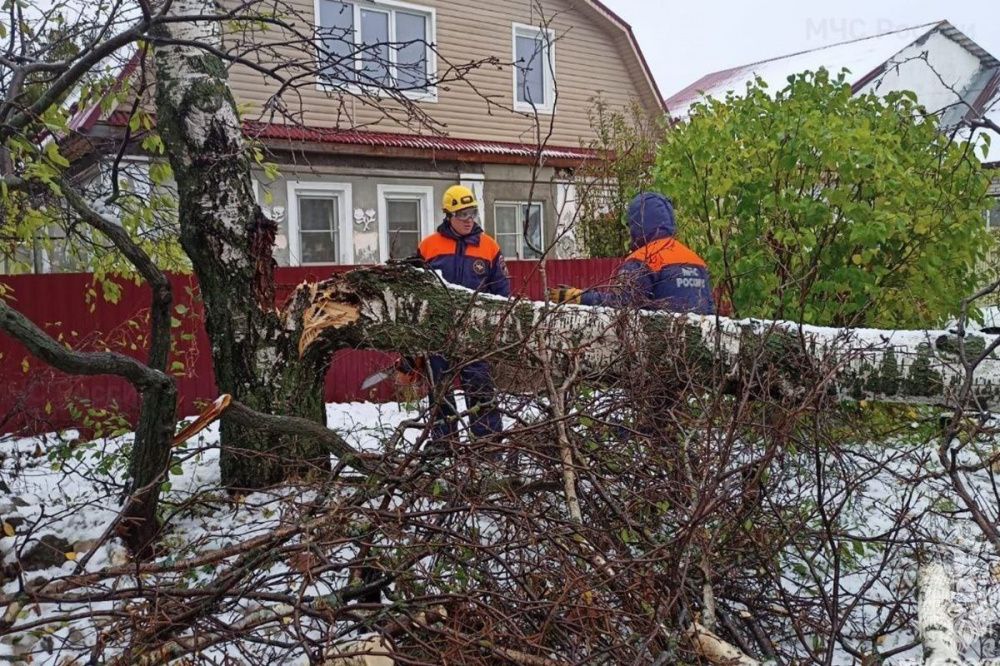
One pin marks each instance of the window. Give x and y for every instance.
(993, 215)
(387, 45)
(534, 69)
(508, 219)
(406, 215)
(319, 228)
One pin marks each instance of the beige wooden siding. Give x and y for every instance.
(592, 58)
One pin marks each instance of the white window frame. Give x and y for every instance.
(389, 7)
(346, 231)
(549, 73)
(520, 234)
(989, 213)
(475, 182)
(422, 193)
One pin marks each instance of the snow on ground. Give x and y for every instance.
(62, 487)
(69, 489)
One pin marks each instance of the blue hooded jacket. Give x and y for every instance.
(473, 261)
(661, 273)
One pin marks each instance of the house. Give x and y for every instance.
(952, 76)
(362, 170)
(992, 159)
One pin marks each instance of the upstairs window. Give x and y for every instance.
(382, 46)
(534, 69)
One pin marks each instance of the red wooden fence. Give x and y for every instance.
(35, 398)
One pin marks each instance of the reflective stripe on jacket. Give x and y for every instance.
(472, 261)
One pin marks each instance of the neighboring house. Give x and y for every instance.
(992, 161)
(951, 75)
(356, 187)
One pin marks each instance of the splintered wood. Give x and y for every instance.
(323, 313)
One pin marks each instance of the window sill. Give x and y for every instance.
(522, 107)
(430, 95)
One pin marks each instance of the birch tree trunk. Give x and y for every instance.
(410, 311)
(935, 624)
(229, 242)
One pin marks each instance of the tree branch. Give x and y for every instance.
(159, 284)
(406, 310)
(40, 344)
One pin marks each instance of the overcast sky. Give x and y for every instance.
(683, 40)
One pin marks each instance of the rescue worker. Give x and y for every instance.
(465, 255)
(661, 273)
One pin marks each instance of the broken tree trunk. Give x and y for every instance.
(230, 242)
(411, 311)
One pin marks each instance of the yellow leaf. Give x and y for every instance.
(71, 555)
(8, 529)
(25, 366)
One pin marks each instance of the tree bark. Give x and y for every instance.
(935, 624)
(230, 242)
(408, 310)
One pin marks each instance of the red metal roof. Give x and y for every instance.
(84, 119)
(412, 141)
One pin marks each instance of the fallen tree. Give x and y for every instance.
(404, 309)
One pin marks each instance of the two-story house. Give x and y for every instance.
(361, 178)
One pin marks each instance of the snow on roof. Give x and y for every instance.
(861, 56)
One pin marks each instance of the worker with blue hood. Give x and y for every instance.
(661, 273)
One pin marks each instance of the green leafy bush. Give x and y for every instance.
(825, 207)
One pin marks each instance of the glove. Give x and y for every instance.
(410, 370)
(564, 294)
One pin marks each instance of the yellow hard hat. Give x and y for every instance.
(458, 197)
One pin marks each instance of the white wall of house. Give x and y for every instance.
(948, 67)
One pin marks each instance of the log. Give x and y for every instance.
(409, 310)
(935, 624)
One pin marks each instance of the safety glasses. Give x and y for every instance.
(467, 214)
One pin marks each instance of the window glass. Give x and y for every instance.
(319, 229)
(411, 53)
(403, 224)
(531, 63)
(375, 47)
(336, 34)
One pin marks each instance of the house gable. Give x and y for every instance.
(595, 58)
(896, 60)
